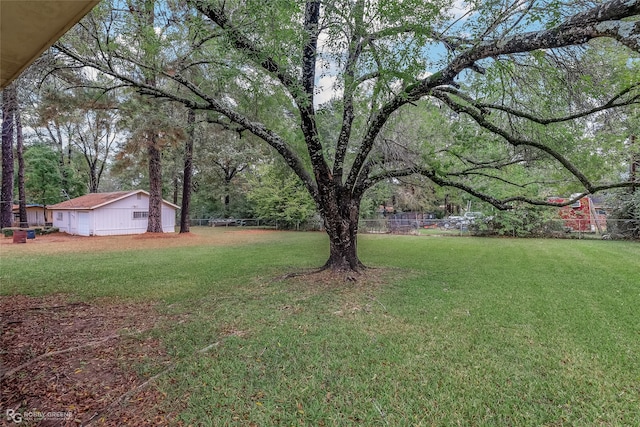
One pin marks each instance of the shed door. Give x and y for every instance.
(83, 223)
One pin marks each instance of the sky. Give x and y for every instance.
(326, 73)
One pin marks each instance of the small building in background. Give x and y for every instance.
(109, 214)
(586, 214)
(37, 215)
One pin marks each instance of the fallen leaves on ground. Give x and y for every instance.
(81, 359)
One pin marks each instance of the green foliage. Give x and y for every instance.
(74, 181)
(380, 195)
(44, 178)
(81, 125)
(593, 143)
(523, 221)
(209, 203)
(624, 218)
(50, 230)
(8, 232)
(278, 194)
(222, 160)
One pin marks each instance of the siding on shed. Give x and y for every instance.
(117, 218)
(168, 219)
(35, 215)
(68, 223)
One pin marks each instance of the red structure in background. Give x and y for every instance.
(585, 214)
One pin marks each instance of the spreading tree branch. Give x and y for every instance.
(210, 103)
(350, 84)
(515, 141)
(601, 21)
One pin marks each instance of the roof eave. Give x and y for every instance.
(29, 28)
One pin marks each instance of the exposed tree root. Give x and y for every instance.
(126, 396)
(334, 277)
(129, 394)
(10, 372)
(47, 308)
(328, 273)
(344, 267)
(298, 274)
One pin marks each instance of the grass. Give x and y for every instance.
(454, 331)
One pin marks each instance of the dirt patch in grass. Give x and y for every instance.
(82, 361)
(66, 243)
(354, 292)
(316, 280)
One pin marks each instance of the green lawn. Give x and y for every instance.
(458, 331)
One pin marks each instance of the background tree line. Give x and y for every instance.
(355, 102)
(79, 140)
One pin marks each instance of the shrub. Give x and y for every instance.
(522, 221)
(624, 218)
(282, 197)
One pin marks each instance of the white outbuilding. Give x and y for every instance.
(109, 214)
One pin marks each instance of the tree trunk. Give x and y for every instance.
(227, 197)
(341, 224)
(635, 163)
(188, 172)
(22, 196)
(154, 154)
(6, 195)
(155, 185)
(63, 170)
(176, 188)
(93, 176)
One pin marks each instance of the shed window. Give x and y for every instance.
(59, 216)
(140, 215)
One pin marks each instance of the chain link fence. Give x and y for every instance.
(261, 223)
(612, 229)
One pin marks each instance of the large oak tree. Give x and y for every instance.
(495, 89)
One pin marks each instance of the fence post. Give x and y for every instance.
(580, 231)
